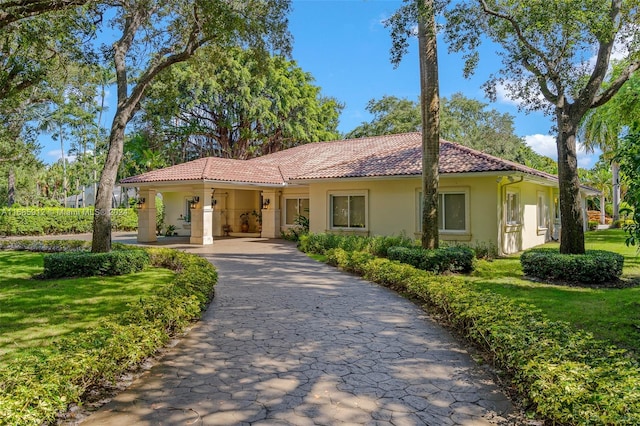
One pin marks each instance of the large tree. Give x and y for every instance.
(556, 56)
(153, 36)
(235, 105)
(402, 23)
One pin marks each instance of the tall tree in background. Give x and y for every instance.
(391, 115)
(402, 23)
(235, 105)
(154, 35)
(605, 126)
(548, 49)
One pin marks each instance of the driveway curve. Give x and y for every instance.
(290, 341)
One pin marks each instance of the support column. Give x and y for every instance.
(271, 214)
(147, 216)
(202, 220)
(219, 217)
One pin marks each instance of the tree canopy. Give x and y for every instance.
(235, 105)
(555, 58)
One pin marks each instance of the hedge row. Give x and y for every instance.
(36, 387)
(87, 264)
(593, 267)
(54, 220)
(378, 246)
(567, 376)
(448, 259)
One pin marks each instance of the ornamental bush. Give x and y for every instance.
(593, 267)
(448, 259)
(87, 264)
(378, 245)
(54, 220)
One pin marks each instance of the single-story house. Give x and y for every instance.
(368, 186)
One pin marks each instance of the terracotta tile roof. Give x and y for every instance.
(391, 155)
(212, 168)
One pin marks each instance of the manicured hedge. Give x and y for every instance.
(448, 259)
(87, 264)
(34, 388)
(53, 220)
(593, 267)
(567, 376)
(378, 245)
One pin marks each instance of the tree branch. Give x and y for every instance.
(20, 9)
(613, 88)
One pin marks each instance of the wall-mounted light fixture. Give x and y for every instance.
(140, 202)
(266, 203)
(194, 202)
(213, 200)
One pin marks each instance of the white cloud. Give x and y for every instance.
(56, 155)
(542, 144)
(503, 96)
(546, 145)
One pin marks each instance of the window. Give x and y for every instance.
(348, 210)
(295, 207)
(543, 211)
(452, 211)
(512, 208)
(556, 207)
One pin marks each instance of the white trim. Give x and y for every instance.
(515, 192)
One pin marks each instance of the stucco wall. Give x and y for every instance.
(393, 206)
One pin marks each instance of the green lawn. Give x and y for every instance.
(33, 312)
(610, 314)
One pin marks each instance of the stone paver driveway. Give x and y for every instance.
(289, 341)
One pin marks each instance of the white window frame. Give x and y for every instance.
(441, 192)
(298, 213)
(508, 214)
(542, 209)
(332, 194)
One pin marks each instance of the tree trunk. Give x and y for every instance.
(571, 221)
(615, 171)
(430, 103)
(602, 207)
(101, 242)
(11, 199)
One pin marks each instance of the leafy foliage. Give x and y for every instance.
(628, 156)
(39, 384)
(86, 264)
(448, 259)
(50, 220)
(593, 267)
(378, 245)
(236, 104)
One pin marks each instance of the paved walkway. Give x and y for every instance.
(289, 341)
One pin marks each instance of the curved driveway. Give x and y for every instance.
(289, 341)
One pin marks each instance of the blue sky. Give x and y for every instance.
(345, 46)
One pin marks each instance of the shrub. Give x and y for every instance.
(38, 385)
(378, 245)
(567, 376)
(46, 246)
(448, 259)
(49, 220)
(86, 264)
(595, 266)
(593, 225)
